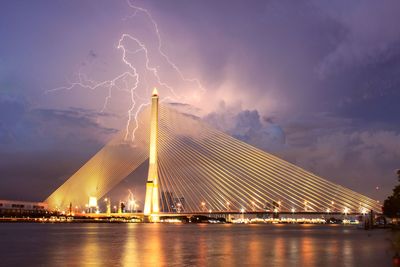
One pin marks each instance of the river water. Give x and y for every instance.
(91, 244)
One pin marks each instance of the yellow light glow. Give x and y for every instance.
(363, 211)
(92, 202)
(151, 205)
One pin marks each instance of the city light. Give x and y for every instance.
(363, 211)
(179, 205)
(346, 210)
(92, 202)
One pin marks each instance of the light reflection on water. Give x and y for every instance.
(191, 245)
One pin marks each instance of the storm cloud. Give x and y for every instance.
(314, 82)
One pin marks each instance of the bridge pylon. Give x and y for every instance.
(151, 205)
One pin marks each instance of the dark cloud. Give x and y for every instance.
(339, 149)
(360, 160)
(40, 148)
(247, 126)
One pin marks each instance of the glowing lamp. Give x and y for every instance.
(92, 202)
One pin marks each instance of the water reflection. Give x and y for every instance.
(307, 250)
(347, 253)
(190, 245)
(130, 256)
(254, 250)
(227, 249)
(91, 246)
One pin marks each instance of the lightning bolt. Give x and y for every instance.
(157, 31)
(132, 73)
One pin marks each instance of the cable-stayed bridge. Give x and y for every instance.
(199, 169)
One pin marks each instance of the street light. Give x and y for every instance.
(363, 211)
(179, 207)
(108, 205)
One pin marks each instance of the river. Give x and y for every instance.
(128, 244)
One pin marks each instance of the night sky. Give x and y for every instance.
(314, 82)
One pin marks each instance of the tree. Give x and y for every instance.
(391, 206)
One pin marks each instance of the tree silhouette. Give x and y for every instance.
(391, 206)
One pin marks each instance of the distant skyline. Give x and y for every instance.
(314, 82)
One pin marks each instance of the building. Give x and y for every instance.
(22, 208)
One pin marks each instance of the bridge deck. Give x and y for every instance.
(213, 214)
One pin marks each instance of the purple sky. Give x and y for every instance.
(314, 82)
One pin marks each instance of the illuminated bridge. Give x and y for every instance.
(194, 168)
